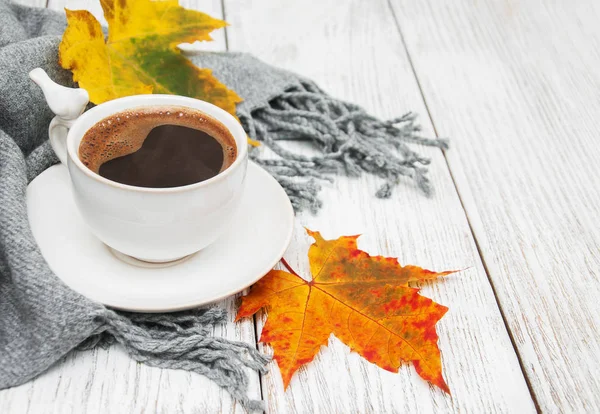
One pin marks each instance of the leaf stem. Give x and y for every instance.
(288, 267)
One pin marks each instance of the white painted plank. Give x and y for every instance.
(517, 84)
(354, 51)
(108, 381)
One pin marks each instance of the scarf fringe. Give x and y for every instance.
(347, 138)
(184, 340)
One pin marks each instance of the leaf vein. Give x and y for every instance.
(371, 319)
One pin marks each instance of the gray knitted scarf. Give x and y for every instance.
(41, 319)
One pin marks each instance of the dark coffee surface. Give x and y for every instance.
(158, 147)
(171, 156)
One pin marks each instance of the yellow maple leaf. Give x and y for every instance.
(140, 55)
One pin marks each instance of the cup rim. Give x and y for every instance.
(155, 100)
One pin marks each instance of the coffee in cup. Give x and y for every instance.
(158, 147)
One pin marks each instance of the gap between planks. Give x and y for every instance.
(462, 204)
(352, 50)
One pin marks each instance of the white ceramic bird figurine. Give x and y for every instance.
(66, 103)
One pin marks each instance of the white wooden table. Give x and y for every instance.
(515, 84)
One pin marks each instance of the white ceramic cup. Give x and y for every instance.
(149, 224)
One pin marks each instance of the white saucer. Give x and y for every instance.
(257, 240)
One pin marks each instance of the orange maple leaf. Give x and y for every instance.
(363, 300)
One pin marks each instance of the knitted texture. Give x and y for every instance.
(41, 319)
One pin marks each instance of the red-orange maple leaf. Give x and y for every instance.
(363, 300)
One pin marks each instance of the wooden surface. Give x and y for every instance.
(515, 85)
(352, 51)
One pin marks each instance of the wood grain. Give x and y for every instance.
(516, 83)
(108, 381)
(353, 49)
